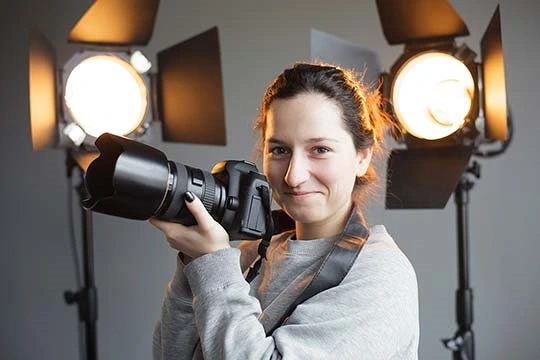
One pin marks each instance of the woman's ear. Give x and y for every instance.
(364, 159)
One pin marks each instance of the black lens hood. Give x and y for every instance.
(128, 179)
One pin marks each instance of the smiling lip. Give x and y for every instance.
(300, 194)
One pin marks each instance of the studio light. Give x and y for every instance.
(108, 86)
(448, 108)
(447, 105)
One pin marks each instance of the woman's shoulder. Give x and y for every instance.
(382, 259)
(381, 243)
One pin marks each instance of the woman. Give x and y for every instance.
(319, 130)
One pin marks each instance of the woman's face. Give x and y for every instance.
(310, 160)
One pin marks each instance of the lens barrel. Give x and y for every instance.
(201, 183)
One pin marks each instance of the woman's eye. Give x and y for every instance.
(278, 151)
(321, 150)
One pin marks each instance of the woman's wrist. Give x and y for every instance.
(186, 259)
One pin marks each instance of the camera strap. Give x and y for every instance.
(265, 241)
(335, 266)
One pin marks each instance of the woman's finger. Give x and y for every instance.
(164, 226)
(205, 237)
(170, 229)
(199, 212)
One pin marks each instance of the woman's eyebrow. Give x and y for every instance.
(310, 140)
(275, 141)
(322, 139)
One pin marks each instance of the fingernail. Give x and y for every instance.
(189, 196)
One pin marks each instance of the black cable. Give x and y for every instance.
(82, 342)
(504, 144)
(73, 240)
(76, 262)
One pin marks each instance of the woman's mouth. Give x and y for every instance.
(300, 195)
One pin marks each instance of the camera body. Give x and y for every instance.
(136, 181)
(245, 209)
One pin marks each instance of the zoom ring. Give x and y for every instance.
(209, 193)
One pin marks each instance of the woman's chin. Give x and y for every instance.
(306, 215)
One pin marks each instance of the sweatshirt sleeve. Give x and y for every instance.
(175, 333)
(372, 314)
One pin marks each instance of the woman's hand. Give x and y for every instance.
(205, 237)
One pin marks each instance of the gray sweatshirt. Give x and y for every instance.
(210, 312)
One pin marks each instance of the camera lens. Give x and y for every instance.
(136, 181)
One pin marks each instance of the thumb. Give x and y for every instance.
(197, 209)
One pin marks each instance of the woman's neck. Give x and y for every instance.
(322, 229)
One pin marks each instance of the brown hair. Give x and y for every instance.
(361, 108)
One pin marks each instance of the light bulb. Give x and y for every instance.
(140, 62)
(432, 95)
(75, 133)
(449, 102)
(105, 94)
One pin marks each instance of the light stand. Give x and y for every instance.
(462, 344)
(85, 297)
(436, 161)
(185, 95)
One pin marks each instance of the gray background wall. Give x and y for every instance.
(258, 39)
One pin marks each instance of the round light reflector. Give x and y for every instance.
(432, 95)
(105, 94)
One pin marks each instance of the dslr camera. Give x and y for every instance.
(136, 181)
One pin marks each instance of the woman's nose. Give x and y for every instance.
(297, 172)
